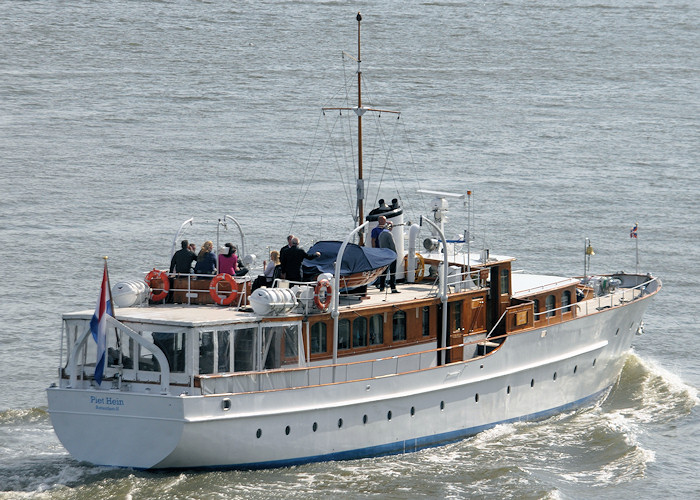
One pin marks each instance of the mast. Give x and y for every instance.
(360, 180)
(359, 111)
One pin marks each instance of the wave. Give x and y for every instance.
(23, 416)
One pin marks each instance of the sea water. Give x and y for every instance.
(567, 120)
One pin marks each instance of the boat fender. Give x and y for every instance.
(163, 276)
(323, 289)
(214, 292)
(420, 266)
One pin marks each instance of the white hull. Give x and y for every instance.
(427, 407)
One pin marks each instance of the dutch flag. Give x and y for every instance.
(98, 325)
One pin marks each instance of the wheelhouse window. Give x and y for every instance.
(376, 329)
(504, 281)
(550, 304)
(318, 338)
(173, 346)
(206, 352)
(399, 326)
(456, 313)
(426, 321)
(223, 350)
(359, 332)
(566, 301)
(244, 349)
(344, 334)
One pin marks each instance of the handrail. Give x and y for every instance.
(159, 355)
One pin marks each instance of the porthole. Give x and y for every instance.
(340, 423)
(594, 360)
(508, 390)
(476, 398)
(364, 419)
(554, 377)
(287, 430)
(314, 427)
(532, 383)
(388, 415)
(258, 434)
(442, 405)
(226, 404)
(575, 368)
(413, 410)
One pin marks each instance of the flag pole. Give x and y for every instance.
(636, 244)
(111, 302)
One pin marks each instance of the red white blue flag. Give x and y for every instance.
(633, 231)
(98, 326)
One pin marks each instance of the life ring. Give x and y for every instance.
(163, 276)
(420, 267)
(325, 286)
(214, 292)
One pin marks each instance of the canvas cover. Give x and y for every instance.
(356, 259)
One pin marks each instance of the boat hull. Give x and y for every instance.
(533, 375)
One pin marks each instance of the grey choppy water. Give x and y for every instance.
(119, 120)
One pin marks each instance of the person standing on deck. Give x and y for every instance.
(291, 260)
(386, 240)
(182, 259)
(374, 235)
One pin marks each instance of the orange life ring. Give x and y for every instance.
(420, 267)
(163, 276)
(324, 285)
(223, 301)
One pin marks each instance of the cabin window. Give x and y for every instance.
(399, 326)
(291, 343)
(173, 346)
(318, 338)
(426, 321)
(344, 334)
(223, 363)
(566, 301)
(376, 329)
(504, 281)
(536, 307)
(206, 352)
(456, 312)
(359, 332)
(550, 304)
(244, 349)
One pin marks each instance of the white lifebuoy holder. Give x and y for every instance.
(323, 287)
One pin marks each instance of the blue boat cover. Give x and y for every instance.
(356, 259)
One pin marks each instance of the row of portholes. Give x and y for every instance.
(365, 419)
(389, 415)
(532, 381)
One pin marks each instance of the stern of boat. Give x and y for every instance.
(116, 429)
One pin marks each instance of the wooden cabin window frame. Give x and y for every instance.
(566, 301)
(425, 321)
(505, 281)
(398, 326)
(536, 309)
(550, 305)
(456, 315)
(376, 329)
(318, 338)
(344, 334)
(359, 332)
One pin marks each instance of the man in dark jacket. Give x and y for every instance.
(182, 259)
(291, 259)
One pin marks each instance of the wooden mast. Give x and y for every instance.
(359, 111)
(360, 181)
